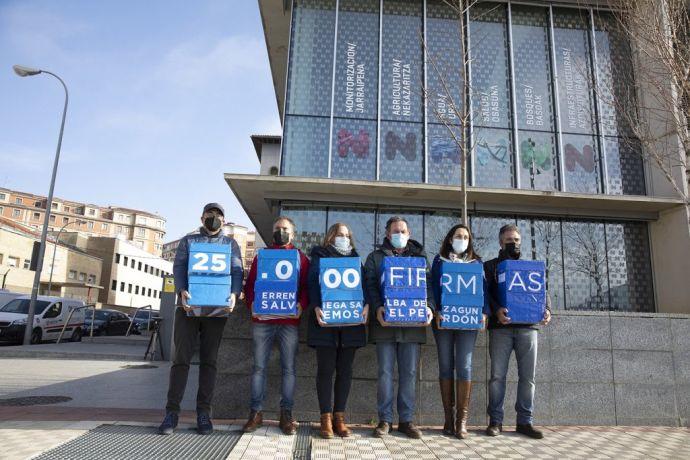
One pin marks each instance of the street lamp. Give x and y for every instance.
(55, 243)
(23, 71)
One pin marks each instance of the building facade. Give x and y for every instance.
(369, 92)
(145, 230)
(75, 273)
(131, 277)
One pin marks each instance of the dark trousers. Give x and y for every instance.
(210, 332)
(339, 361)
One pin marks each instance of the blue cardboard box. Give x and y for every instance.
(462, 295)
(277, 280)
(403, 286)
(342, 298)
(522, 290)
(209, 276)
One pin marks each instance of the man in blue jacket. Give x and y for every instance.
(188, 326)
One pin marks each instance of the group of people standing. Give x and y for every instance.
(336, 346)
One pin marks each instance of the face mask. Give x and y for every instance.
(460, 245)
(281, 237)
(342, 243)
(212, 224)
(512, 251)
(398, 240)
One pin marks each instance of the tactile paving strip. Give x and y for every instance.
(140, 442)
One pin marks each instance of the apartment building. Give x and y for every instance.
(144, 229)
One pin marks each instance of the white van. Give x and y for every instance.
(49, 318)
(6, 296)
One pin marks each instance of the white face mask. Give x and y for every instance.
(460, 245)
(399, 240)
(342, 243)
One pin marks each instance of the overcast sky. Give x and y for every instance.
(163, 98)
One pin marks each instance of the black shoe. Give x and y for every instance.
(169, 423)
(409, 429)
(382, 429)
(529, 430)
(494, 429)
(203, 423)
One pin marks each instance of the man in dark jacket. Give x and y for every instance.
(209, 329)
(393, 342)
(284, 330)
(505, 337)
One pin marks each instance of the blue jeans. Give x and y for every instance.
(502, 342)
(264, 335)
(407, 355)
(455, 353)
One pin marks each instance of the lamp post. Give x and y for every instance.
(23, 71)
(55, 243)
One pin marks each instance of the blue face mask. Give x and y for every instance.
(399, 240)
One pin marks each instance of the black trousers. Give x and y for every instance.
(332, 360)
(210, 332)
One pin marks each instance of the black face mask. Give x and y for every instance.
(281, 237)
(512, 251)
(212, 224)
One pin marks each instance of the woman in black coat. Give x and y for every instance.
(335, 346)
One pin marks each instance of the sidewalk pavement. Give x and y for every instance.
(115, 407)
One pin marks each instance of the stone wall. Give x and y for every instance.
(594, 368)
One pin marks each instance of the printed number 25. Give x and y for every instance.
(218, 263)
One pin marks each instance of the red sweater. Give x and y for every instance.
(302, 289)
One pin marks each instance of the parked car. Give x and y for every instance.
(50, 316)
(106, 322)
(6, 296)
(145, 320)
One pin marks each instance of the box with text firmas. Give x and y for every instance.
(462, 295)
(522, 290)
(403, 286)
(209, 278)
(342, 298)
(277, 280)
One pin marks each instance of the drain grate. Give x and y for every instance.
(139, 442)
(139, 366)
(34, 400)
(302, 447)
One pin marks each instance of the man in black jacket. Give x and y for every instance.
(393, 342)
(503, 339)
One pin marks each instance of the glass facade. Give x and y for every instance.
(358, 71)
(591, 265)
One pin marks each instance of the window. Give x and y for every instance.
(129, 288)
(2, 210)
(37, 216)
(91, 279)
(1, 257)
(65, 220)
(82, 276)
(72, 274)
(3, 197)
(27, 264)
(132, 263)
(141, 232)
(139, 266)
(53, 206)
(128, 219)
(67, 209)
(92, 212)
(16, 213)
(157, 271)
(149, 292)
(53, 311)
(126, 260)
(136, 290)
(113, 286)
(117, 258)
(90, 225)
(18, 201)
(146, 268)
(104, 227)
(142, 220)
(52, 218)
(119, 229)
(122, 286)
(13, 261)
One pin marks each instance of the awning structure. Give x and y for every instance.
(260, 196)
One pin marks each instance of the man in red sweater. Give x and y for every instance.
(264, 332)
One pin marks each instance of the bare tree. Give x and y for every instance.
(651, 99)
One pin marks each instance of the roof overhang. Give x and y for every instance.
(260, 196)
(275, 19)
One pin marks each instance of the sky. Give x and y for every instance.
(164, 95)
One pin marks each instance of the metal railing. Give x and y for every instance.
(69, 317)
(148, 323)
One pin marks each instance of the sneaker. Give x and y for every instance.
(203, 424)
(494, 429)
(529, 430)
(382, 429)
(169, 423)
